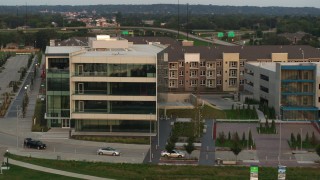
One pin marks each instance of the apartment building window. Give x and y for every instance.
(172, 74)
(172, 66)
(202, 63)
(210, 74)
(194, 64)
(305, 100)
(210, 83)
(305, 88)
(181, 64)
(219, 73)
(241, 82)
(181, 82)
(209, 65)
(193, 73)
(219, 82)
(233, 73)
(202, 82)
(202, 73)
(264, 77)
(305, 75)
(219, 64)
(232, 82)
(172, 83)
(241, 73)
(181, 73)
(241, 63)
(233, 64)
(193, 82)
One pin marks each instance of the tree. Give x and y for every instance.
(298, 138)
(235, 137)
(293, 139)
(236, 149)
(267, 123)
(229, 136)
(243, 138)
(222, 137)
(189, 147)
(250, 138)
(273, 125)
(313, 139)
(318, 149)
(307, 138)
(170, 146)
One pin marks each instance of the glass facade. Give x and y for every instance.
(115, 88)
(116, 107)
(115, 70)
(115, 126)
(298, 93)
(58, 97)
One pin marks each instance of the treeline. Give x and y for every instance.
(164, 9)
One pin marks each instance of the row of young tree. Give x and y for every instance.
(308, 142)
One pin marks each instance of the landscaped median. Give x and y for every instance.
(148, 171)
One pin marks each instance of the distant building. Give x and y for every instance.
(294, 38)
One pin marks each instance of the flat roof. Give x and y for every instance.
(62, 49)
(135, 50)
(271, 66)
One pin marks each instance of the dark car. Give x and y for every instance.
(30, 143)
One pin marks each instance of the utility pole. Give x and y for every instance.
(18, 113)
(280, 141)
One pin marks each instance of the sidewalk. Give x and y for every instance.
(53, 171)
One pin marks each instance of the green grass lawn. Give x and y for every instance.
(146, 171)
(207, 112)
(17, 172)
(241, 114)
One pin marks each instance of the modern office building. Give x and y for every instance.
(109, 86)
(293, 89)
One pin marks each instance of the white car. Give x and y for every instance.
(108, 151)
(174, 153)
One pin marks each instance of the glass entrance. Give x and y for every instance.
(65, 123)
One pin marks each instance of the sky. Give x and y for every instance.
(283, 3)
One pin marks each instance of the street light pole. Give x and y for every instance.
(18, 125)
(158, 127)
(280, 141)
(248, 139)
(301, 139)
(150, 140)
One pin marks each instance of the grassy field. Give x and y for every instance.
(207, 112)
(17, 172)
(146, 171)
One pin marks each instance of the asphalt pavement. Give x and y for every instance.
(207, 152)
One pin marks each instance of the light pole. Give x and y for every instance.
(301, 139)
(279, 140)
(248, 138)
(158, 127)
(150, 140)
(18, 113)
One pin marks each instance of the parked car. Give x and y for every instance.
(174, 153)
(30, 143)
(108, 151)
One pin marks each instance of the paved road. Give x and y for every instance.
(207, 153)
(12, 112)
(10, 73)
(165, 129)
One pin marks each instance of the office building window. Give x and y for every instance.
(264, 77)
(202, 73)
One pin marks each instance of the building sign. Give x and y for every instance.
(281, 172)
(254, 172)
